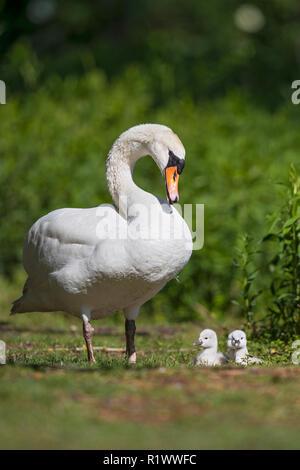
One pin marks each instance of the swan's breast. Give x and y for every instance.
(159, 244)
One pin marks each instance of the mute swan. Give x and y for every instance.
(237, 343)
(210, 356)
(93, 262)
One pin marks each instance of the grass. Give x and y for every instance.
(51, 398)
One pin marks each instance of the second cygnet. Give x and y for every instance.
(237, 343)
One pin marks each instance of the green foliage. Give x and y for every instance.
(194, 48)
(284, 314)
(248, 273)
(282, 292)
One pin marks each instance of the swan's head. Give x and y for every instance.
(168, 152)
(237, 339)
(165, 148)
(207, 339)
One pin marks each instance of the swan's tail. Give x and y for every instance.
(19, 306)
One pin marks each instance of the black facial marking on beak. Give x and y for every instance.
(175, 161)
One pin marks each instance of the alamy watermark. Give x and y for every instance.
(2, 92)
(2, 353)
(152, 222)
(296, 354)
(296, 94)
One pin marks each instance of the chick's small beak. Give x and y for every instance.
(198, 342)
(172, 178)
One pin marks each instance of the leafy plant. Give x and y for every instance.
(282, 296)
(248, 294)
(283, 319)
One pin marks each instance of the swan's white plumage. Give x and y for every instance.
(73, 257)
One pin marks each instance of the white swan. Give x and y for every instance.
(237, 343)
(208, 340)
(94, 262)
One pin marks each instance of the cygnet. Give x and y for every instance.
(208, 340)
(237, 343)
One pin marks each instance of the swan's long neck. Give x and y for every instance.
(119, 170)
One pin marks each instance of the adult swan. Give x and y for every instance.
(93, 262)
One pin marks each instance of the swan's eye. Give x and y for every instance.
(205, 338)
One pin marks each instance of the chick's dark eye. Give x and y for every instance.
(205, 338)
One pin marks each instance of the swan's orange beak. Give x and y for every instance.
(172, 178)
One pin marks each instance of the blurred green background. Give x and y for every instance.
(78, 73)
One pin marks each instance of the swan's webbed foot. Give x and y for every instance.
(88, 332)
(130, 348)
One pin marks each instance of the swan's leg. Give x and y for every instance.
(88, 332)
(130, 348)
(130, 316)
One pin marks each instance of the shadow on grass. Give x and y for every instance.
(5, 327)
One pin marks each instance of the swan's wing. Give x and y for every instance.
(74, 226)
(66, 235)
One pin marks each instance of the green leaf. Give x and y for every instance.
(291, 221)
